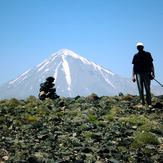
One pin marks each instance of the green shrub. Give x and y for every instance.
(92, 117)
(152, 116)
(87, 134)
(80, 100)
(151, 126)
(109, 117)
(127, 97)
(93, 97)
(13, 102)
(134, 119)
(32, 119)
(144, 139)
(31, 98)
(101, 123)
(72, 113)
(113, 112)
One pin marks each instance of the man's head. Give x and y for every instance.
(140, 46)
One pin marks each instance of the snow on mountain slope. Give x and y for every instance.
(74, 75)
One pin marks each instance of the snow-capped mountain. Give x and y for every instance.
(74, 75)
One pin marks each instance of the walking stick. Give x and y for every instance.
(158, 82)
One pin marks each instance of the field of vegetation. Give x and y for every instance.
(82, 129)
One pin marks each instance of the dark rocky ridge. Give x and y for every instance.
(82, 129)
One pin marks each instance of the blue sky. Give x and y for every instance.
(103, 31)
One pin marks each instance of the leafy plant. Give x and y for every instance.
(144, 139)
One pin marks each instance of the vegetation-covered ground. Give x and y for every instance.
(83, 129)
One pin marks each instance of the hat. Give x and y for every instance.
(140, 44)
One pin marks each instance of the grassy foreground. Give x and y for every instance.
(82, 129)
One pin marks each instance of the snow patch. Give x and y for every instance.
(12, 82)
(108, 71)
(84, 60)
(24, 78)
(54, 58)
(56, 72)
(66, 70)
(100, 68)
(67, 52)
(88, 90)
(74, 55)
(107, 80)
(41, 63)
(43, 66)
(69, 89)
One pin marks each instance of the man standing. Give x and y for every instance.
(144, 70)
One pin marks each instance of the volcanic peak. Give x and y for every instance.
(66, 52)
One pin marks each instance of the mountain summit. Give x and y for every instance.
(74, 75)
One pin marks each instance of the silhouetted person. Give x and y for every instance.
(144, 70)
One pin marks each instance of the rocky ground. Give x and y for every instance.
(83, 129)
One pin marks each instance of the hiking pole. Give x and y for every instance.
(158, 82)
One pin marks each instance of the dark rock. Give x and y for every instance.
(87, 150)
(32, 159)
(96, 137)
(47, 90)
(158, 105)
(103, 151)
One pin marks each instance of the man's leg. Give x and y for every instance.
(140, 88)
(147, 83)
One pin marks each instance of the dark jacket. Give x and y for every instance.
(142, 62)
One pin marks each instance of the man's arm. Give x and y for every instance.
(133, 75)
(153, 71)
